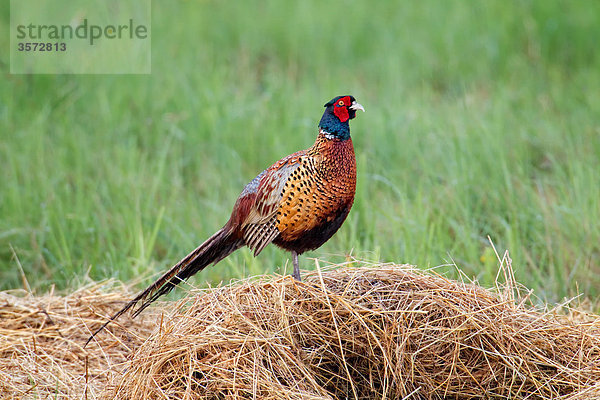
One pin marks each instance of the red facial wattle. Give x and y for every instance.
(340, 108)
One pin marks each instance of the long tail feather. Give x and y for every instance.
(213, 250)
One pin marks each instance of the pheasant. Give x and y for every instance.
(298, 203)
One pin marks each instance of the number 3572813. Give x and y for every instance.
(36, 46)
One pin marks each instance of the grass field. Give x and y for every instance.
(483, 118)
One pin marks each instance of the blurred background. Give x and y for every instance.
(482, 118)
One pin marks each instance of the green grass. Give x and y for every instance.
(483, 118)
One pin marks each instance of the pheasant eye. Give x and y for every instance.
(341, 102)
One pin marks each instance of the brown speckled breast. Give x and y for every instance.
(317, 196)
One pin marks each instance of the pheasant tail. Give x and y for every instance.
(213, 250)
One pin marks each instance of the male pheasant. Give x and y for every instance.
(298, 203)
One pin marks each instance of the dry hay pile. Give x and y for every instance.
(41, 339)
(375, 332)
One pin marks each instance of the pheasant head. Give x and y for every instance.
(337, 113)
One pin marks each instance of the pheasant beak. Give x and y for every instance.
(355, 106)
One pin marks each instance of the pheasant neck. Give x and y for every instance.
(332, 127)
(323, 137)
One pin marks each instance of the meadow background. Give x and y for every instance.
(483, 118)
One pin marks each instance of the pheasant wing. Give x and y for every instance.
(260, 225)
